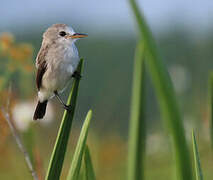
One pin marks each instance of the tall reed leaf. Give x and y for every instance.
(78, 154)
(137, 129)
(89, 170)
(211, 105)
(198, 170)
(57, 157)
(166, 97)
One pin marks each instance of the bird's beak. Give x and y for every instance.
(77, 35)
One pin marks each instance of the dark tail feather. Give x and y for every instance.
(40, 110)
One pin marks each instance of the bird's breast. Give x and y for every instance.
(70, 60)
(60, 68)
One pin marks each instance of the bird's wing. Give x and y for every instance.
(41, 55)
(41, 66)
(41, 70)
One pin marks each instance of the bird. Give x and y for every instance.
(56, 64)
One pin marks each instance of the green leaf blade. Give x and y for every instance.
(198, 170)
(137, 128)
(89, 170)
(166, 97)
(58, 154)
(78, 154)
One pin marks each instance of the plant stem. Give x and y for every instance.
(20, 144)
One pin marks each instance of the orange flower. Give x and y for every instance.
(6, 41)
(16, 54)
(27, 50)
(21, 52)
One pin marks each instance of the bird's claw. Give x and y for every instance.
(68, 107)
(77, 75)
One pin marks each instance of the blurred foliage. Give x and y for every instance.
(15, 62)
(15, 65)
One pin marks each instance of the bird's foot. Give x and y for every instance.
(67, 107)
(77, 75)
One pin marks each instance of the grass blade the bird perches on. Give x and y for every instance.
(57, 157)
(79, 150)
(198, 170)
(89, 170)
(211, 105)
(166, 97)
(20, 144)
(137, 129)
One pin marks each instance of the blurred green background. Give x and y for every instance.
(184, 35)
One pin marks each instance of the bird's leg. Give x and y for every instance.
(77, 75)
(67, 107)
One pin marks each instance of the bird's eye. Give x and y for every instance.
(62, 33)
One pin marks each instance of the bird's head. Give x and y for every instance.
(61, 33)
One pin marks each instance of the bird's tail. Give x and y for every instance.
(40, 110)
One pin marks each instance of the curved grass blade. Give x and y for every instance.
(57, 157)
(137, 129)
(166, 97)
(89, 170)
(198, 170)
(78, 154)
